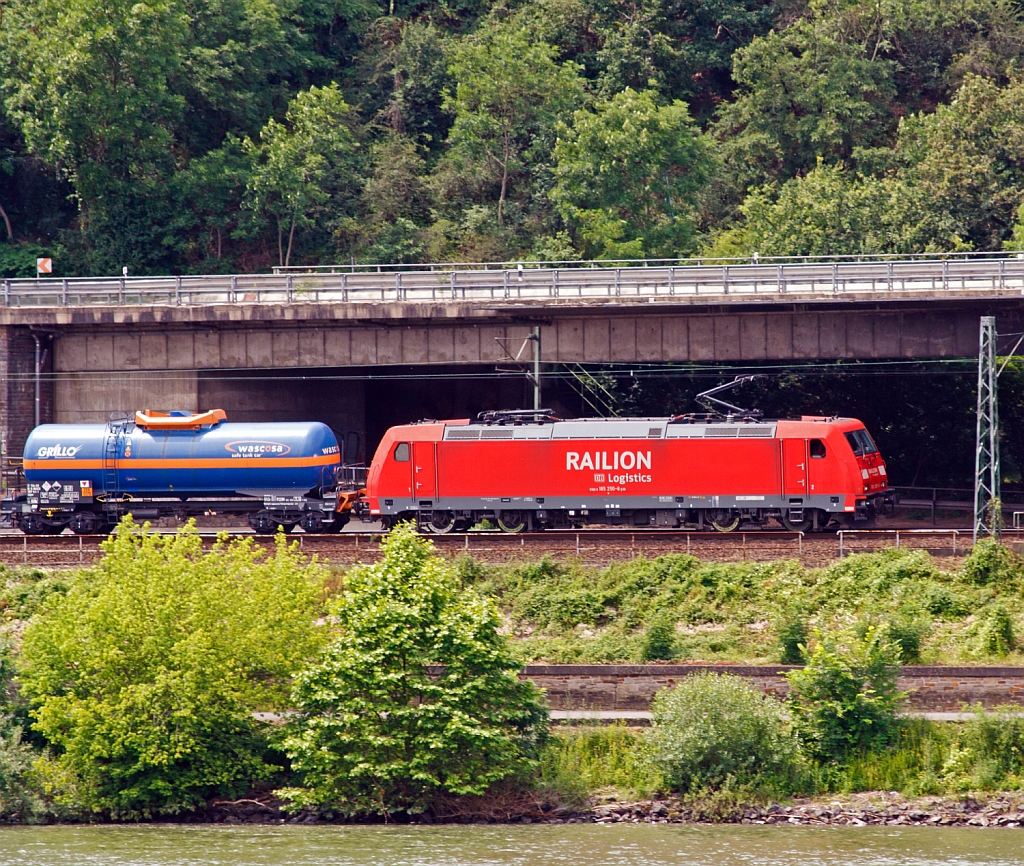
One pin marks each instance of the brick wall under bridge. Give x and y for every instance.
(631, 687)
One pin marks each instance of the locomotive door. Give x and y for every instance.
(424, 475)
(794, 467)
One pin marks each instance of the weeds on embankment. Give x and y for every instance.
(677, 608)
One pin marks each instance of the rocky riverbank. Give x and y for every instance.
(871, 808)
(858, 810)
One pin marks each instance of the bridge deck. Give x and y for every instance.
(545, 285)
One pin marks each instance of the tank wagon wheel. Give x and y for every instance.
(312, 521)
(33, 524)
(263, 523)
(511, 521)
(441, 522)
(339, 523)
(724, 521)
(84, 523)
(798, 525)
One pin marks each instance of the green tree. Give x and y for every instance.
(845, 698)
(305, 168)
(829, 211)
(417, 695)
(804, 93)
(209, 194)
(145, 675)
(87, 83)
(408, 79)
(963, 167)
(631, 170)
(510, 91)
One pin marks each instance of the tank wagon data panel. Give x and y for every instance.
(163, 464)
(531, 472)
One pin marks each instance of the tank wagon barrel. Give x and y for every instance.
(528, 470)
(161, 464)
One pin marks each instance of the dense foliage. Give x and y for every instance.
(417, 695)
(143, 677)
(223, 136)
(129, 688)
(844, 699)
(712, 730)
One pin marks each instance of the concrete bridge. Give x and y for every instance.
(310, 344)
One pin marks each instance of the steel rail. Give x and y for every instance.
(651, 283)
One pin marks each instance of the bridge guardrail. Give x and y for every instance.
(426, 285)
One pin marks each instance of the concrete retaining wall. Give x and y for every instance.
(631, 687)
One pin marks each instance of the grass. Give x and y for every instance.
(586, 762)
(566, 612)
(985, 753)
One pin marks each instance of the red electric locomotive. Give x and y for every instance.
(527, 470)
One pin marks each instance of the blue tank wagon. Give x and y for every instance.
(163, 464)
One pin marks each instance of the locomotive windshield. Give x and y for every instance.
(861, 442)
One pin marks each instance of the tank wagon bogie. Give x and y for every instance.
(527, 472)
(177, 464)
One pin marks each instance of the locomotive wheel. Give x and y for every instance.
(511, 521)
(441, 522)
(724, 521)
(83, 523)
(798, 525)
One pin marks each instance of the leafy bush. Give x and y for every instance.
(145, 675)
(997, 636)
(20, 795)
(943, 601)
(905, 628)
(19, 260)
(418, 694)
(714, 729)
(845, 699)
(995, 739)
(908, 632)
(659, 641)
(990, 563)
(24, 591)
(792, 633)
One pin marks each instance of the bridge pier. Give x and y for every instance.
(18, 384)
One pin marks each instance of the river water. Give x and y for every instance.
(587, 845)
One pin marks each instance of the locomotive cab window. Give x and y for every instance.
(402, 452)
(817, 449)
(861, 442)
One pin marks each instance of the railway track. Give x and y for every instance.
(593, 547)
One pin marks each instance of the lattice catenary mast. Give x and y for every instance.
(987, 513)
